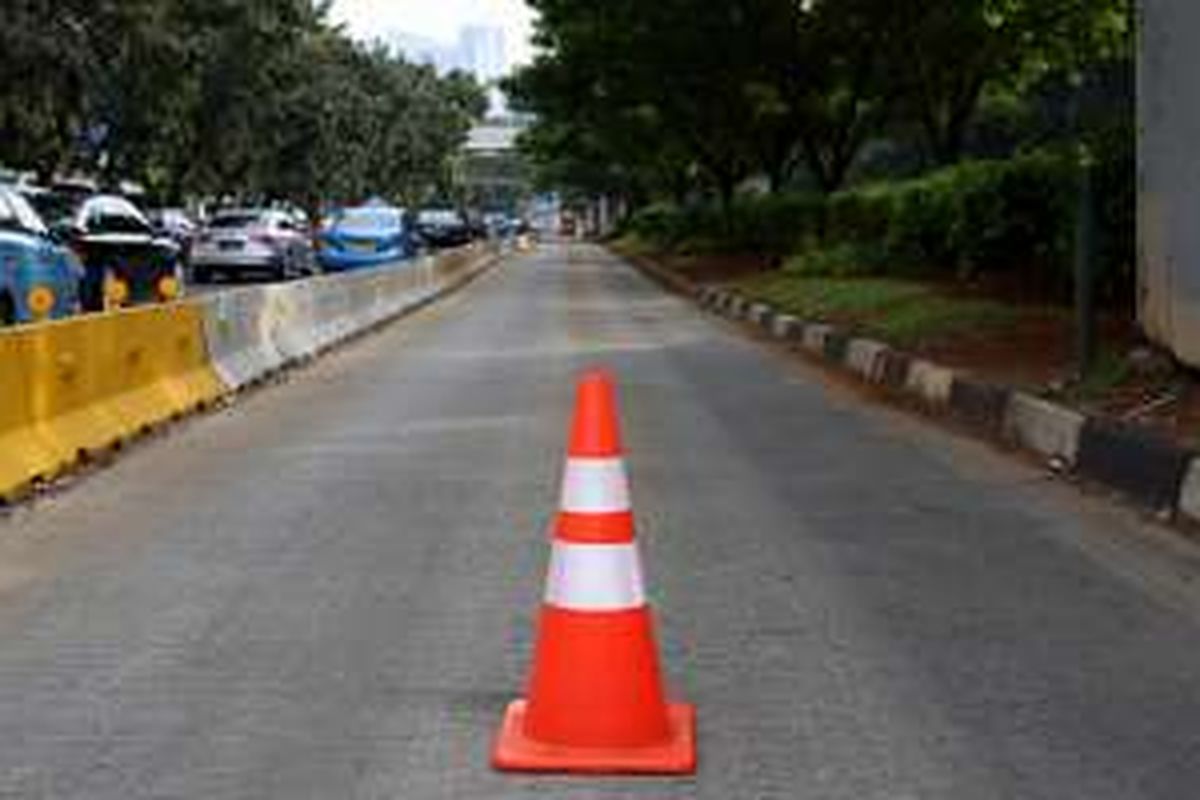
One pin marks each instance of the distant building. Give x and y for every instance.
(481, 49)
(418, 49)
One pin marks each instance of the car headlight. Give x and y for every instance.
(40, 301)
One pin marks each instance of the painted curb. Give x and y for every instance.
(760, 314)
(979, 402)
(868, 358)
(787, 327)
(814, 336)
(930, 382)
(1141, 466)
(1189, 493)
(1149, 471)
(1045, 428)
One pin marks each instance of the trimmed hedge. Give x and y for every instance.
(773, 225)
(1015, 216)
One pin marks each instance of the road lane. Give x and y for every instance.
(326, 590)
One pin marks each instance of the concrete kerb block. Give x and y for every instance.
(814, 337)
(930, 382)
(836, 344)
(868, 358)
(1043, 427)
(760, 314)
(787, 327)
(1144, 467)
(895, 369)
(1189, 494)
(979, 402)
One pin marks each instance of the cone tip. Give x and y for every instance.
(595, 431)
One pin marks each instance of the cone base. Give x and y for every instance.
(514, 751)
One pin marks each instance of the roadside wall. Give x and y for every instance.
(1169, 175)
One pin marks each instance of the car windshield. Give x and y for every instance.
(438, 217)
(17, 214)
(366, 219)
(113, 215)
(50, 206)
(230, 221)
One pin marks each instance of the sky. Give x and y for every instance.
(438, 19)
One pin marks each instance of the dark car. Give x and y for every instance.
(443, 227)
(125, 262)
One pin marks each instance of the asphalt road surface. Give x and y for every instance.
(326, 591)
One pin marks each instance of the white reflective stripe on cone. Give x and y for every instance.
(595, 486)
(595, 577)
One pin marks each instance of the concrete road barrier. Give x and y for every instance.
(239, 341)
(82, 385)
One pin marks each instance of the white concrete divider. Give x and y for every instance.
(290, 319)
(236, 332)
(253, 331)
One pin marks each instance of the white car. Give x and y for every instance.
(252, 241)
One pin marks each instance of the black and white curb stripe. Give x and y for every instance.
(1151, 471)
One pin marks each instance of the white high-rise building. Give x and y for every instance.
(481, 49)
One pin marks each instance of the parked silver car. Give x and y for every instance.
(252, 241)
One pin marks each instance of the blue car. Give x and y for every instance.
(39, 279)
(365, 236)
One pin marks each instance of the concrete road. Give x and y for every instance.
(326, 591)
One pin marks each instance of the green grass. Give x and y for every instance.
(632, 244)
(820, 298)
(901, 312)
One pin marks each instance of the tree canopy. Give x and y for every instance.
(639, 97)
(252, 97)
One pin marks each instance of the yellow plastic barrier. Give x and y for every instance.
(85, 384)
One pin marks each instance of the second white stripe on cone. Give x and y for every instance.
(595, 577)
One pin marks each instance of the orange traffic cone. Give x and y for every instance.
(595, 699)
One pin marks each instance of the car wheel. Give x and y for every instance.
(202, 274)
(8, 310)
